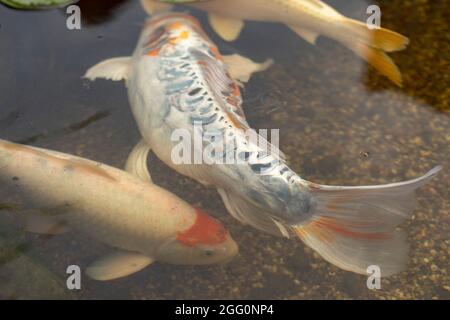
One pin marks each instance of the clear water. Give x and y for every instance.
(340, 123)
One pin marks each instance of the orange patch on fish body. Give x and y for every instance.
(235, 91)
(205, 230)
(154, 53)
(215, 52)
(16, 147)
(235, 121)
(182, 36)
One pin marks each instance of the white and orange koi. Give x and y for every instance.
(307, 18)
(177, 78)
(143, 221)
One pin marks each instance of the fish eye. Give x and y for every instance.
(209, 253)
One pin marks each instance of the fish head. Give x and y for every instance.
(166, 31)
(175, 22)
(205, 242)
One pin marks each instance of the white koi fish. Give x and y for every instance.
(307, 18)
(143, 221)
(177, 78)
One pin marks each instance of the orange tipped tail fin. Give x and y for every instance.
(355, 227)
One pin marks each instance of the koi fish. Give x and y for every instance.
(143, 221)
(177, 78)
(307, 18)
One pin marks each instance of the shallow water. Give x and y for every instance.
(340, 122)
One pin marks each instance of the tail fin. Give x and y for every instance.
(354, 227)
(381, 38)
(371, 46)
(378, 59)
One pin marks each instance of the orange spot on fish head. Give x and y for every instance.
(183, 35)
(205, 230)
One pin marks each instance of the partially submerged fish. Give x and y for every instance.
(307, 18)
(177, 78)
(143, 221)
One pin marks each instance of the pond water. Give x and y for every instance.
(341, 123)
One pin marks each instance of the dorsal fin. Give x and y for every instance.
(224, 88)
(228, 95)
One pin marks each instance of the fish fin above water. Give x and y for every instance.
(355, 227)
(227, 28)
(241, 68)
(137, 162)
(246, 213)
(41, 224)
(152, 6)
(114, 69)
(117, 265)
(309, 36)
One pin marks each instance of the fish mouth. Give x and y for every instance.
(161, 18)
(232, 251)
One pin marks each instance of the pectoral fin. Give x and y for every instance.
(115, 69)
(137, 162)
(309, 36)
(241, 68)
(247, 213)
(117, 265)
(228, 29)
(152, 6)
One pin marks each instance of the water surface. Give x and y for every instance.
(340, 123)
